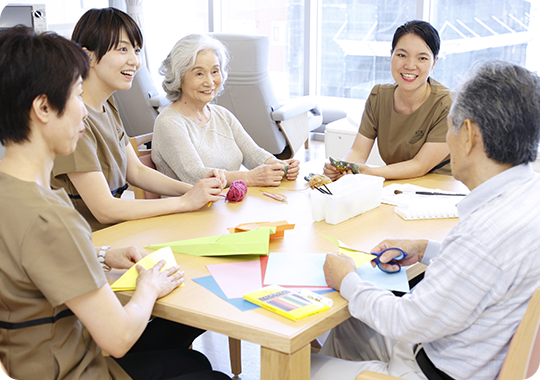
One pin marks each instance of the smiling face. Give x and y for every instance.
(202, 83)
(67, 129)
(412, 62)
(118, 66)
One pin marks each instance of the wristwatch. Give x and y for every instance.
(101, 257)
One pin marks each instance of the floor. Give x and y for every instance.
(216, 346)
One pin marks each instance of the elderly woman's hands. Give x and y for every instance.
(266, 175)
(294, 169)
(219, 174)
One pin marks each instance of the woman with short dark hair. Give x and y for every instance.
(97, 173)
(57, 310)
(408, 117)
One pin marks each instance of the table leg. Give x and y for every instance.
(279, 366)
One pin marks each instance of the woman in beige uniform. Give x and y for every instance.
(56, 307)
(408, 117)
(97, 173)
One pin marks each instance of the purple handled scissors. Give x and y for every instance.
(393, 262)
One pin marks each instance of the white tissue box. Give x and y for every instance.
(352, 195)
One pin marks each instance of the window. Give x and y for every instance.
(473, 30)
(280, 20)
(167, 21)
(347, 49)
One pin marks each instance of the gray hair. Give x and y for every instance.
(182, 58)
(503, 99)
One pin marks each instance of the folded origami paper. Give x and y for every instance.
(128, 281)
(281, 226)
(357, 255)
(254, 242)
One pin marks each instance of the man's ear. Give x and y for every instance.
(41, 109)
(472, 136)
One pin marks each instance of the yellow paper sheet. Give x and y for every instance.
(359, 257)
(128, 281)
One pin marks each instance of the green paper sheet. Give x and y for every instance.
(254, 242)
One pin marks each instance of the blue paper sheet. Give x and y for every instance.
(209, 283)
(391, 281)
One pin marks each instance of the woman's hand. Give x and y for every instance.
(266, 175)
(122, 258)
(163, 282)
(204, 191)
(294, 169)
(331, 171)
(219, 174)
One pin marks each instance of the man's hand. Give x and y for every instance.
(413, 248)
(336, 267)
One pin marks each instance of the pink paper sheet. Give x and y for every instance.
(237, 279)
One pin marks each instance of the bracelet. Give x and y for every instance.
(101, 257)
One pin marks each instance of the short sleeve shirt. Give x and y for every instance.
(400, 137)
(46, 259)
(102, 148)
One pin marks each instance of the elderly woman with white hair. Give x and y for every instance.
(192, 136)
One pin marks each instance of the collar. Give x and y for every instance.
(493, 188)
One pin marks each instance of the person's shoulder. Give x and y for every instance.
(440, 94)
(440, 90)
(111, 102)
(37, 202)
(383, 88)
(220, 112)
(169, 117)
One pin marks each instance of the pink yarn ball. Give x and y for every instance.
(237, 191)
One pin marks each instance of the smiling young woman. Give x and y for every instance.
(97, 173)
(407, 117)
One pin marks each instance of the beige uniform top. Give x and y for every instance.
(46, 259)
(102, 148)
(400, 137)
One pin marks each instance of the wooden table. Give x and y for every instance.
(285, 345)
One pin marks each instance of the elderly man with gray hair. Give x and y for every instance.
(458, 321)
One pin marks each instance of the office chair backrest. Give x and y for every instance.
(145, 156)
(136, 111)
(248, 93)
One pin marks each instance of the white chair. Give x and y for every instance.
(249, 95)
(138, 106)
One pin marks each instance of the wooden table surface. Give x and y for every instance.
(285, 349)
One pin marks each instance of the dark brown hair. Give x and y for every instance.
(32, 65)
(99, 30)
